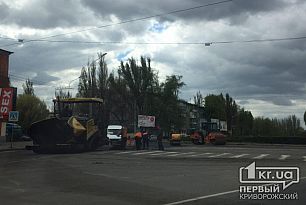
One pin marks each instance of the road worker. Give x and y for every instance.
(123, 137)
(145, 140)
(138, 137)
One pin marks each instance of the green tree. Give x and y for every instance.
(245, 122)
(231, 111)
(94, 82)
(198, 99)
(60, 93)
(215, 106)
(28, 87)
(31, 109)
(289, 126)
(140, 79)
(170, 115)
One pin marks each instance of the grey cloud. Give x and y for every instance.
(42, 78)
(236, 10)
(243, 102)
(44, 14)
(265, 71)
(282, 101)
(3, 10)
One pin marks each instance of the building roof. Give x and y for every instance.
(5, 51)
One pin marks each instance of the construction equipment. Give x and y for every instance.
(213, 134)
(197, 137)
(175, 139)
(74, 127)
(209, 134)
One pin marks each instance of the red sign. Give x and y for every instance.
(6, 101)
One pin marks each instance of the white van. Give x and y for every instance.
(113, 134)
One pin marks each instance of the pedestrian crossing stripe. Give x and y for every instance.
(182, 153)
(140, 153)
(201, 154)
(283, 157)
(261, 156)
(218, 155)
(163, 153)
(239, 156)
(157, 153)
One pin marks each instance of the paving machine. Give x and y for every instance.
(74, 127)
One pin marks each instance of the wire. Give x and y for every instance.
(260, 40)
(19, 77)
(175, 43)
(115, 42)
(126, 21)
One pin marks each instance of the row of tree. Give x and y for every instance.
(242, 123)
(134, 89)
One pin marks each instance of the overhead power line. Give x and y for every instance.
(175, 43)
(125, 22)
(260, 40)
(23, 78)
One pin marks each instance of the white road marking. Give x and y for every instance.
(106, 175)
(140, 153)
(163, 153)
(239, 156)
(218, 155)
(202, 197)
(283, 157)
(261, 156)
(128, 152)
(211, 195)
(185, 153)
(198, 155)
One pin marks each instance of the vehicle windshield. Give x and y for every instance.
(113, 131)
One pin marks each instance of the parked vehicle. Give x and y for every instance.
(114, 135)
(13, 132)
(73, 128)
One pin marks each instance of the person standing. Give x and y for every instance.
(123, 137)
(160, 138)
(138, 137)
(145, 140)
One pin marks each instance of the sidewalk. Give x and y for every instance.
(6, 146)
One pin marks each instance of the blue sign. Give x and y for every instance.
(13, 116)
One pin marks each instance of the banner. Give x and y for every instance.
(6, 102)
(146, 121)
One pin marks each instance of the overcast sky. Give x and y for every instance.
(267, 78)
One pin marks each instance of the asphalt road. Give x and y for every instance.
(180, 175)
